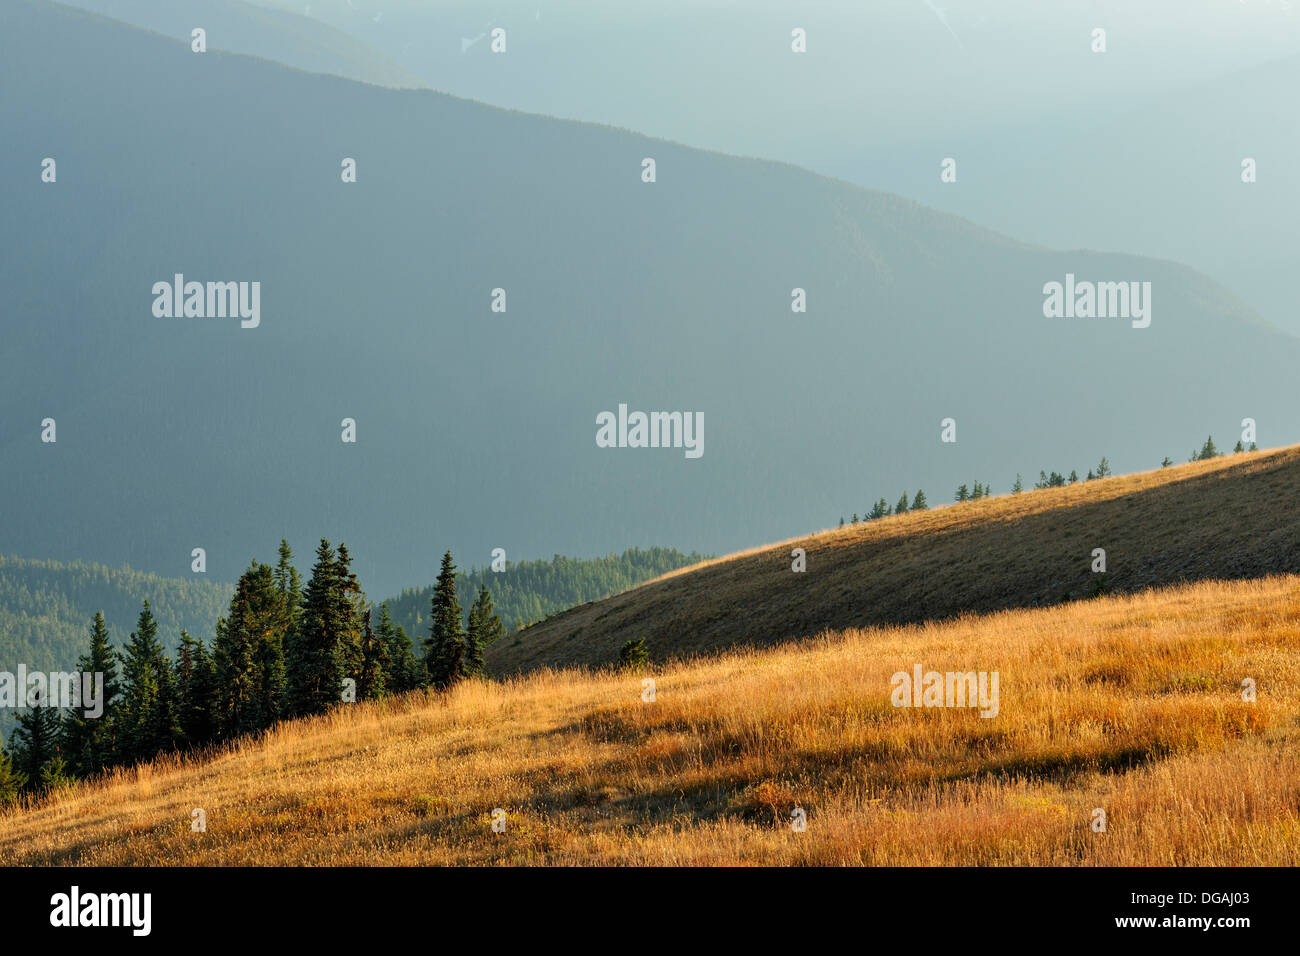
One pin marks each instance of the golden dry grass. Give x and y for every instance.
(1128, 703)
(1234, 517)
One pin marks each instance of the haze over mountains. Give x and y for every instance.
(1055, 143)
(476, 429)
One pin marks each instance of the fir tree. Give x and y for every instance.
(901, 507)
(1019, 486)
(978, 492)
(150, 720)
(248, 655)
(1238, 448)
(918, 503)
(351, 611)
(290, 588)
(88, 741)
(36, 739)
(12, 781)
(1103, 468)
(880, 509)
(1208, 450)
(445, 657)
(484, 628)
(963, 493)
(1074, 476)
(56, 774)
(196, 680)
(375, 665)
(315, 662)
(403, 670)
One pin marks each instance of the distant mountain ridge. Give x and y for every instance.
(476, 429)
(238, 27)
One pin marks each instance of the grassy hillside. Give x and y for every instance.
(1131, 704)
(1231, 517)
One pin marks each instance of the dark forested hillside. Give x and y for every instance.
(529, 591)
(46, 609)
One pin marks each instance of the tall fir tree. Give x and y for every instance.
(88, 741)
(351, 615)
(445, 658)
(901, 507)
(12, 781)
(149, 712)
(403, 668)
(197, 682)
(484, 628)
(919, 503)
(314, 663)
(248, 655)
(36, 740)
(375, 666)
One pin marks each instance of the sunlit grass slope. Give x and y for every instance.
(1131, 704)
(1228, 518)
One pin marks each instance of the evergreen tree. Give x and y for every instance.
(196, 680)
(12, 781)
(841, 521)
(855, 517)
(1164, 464)
(290, 588)
(1208, 450)
(248, 655)
(1103, 468)
(315, 661)
(963, 493)
(919, 503)
(1238, 448)
(403, 669)
(484, 628)
(1254, 447)
(36, 739)
(978, 491)
(1074, 476)
(88, 741)
(1019, 486)
(445, 656)
(150, 720)
(901, 507)
(351, 612)
(880, 509)
(56, 774)
(375, 665)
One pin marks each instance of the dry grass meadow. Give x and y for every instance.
(1130, 703)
